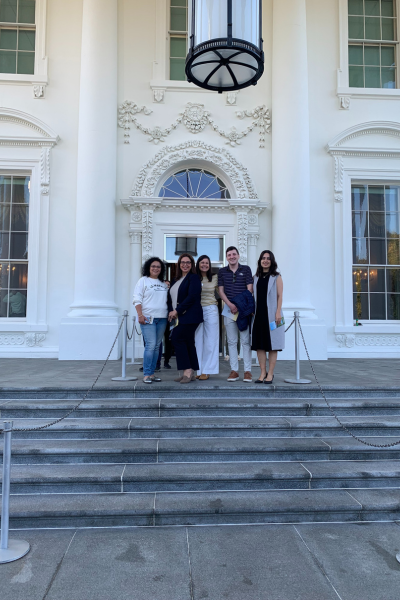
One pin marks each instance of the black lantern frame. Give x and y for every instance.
(225, 52)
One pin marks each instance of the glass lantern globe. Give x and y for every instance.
(226, 47)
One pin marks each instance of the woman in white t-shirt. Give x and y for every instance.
(150, 300)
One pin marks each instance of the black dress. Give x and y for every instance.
(261, 338)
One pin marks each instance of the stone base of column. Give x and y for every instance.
(88, 338)
(315, 335)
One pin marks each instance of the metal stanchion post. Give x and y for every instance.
(10, 550)
(124, 348)
(297, 351)
(133, 360)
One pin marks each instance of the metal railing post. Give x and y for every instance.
(124, 349)
(297, 351)
(133, 360)
(10, 550)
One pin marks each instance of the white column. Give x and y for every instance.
(291, 156)
(91, 325)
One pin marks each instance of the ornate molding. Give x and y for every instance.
(352, 340)
(158, 95)
(136, 237)
(147, 233)
(195, 118)
(243, 229)
(9, 115)
(390, 128)
(344, 102)
(151, 173)
(339, 172)
(45, 171)
(231, 98)
(252, 239)
(39, 90)
(22, 339)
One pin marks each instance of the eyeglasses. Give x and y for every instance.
(185, 262)
(155, 267)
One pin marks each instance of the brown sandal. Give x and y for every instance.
(204, 377)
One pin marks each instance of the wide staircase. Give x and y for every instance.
(199, 459)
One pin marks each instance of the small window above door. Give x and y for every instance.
(195, 184)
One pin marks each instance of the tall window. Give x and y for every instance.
(376, 252)
(178, 39)
(14, 218)
(17, 36)
(372, 43)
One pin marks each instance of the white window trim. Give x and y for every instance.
(41, 76)
(346, 93)
(355, 164)
(30, 155)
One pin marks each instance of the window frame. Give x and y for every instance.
(343, 86)
(176, 34)
(40, 75)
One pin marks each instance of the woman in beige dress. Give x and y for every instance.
(207, 333)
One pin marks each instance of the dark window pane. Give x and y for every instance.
(376, 198)
(4, 271)
(388, 59)
(8, 61)
(360, 306)
(179, 2)
(371, 55)
(393, 280)
(356, 7)
(377, 224)
(178, 47)
(21, 191)
(359, 198)
(360, 224)
(26, 11)
(372, 28)
(360, 251)
(392, 225)
(17, 304)
(19, 246)
(177, 69)
(178, 19)
(377, 280)
(8, 11)
(356, 28)
(388, 29)
(377, 252)
(26, 63)
(26, 40)
(372, 77)
(377, 306)
(4, 245)
(392, 198)
(360, 280)
(18, 276)
(393, 252)
(19, 217)
(5, 217)
(388, 75)
(372, 8)
(5, 189)
(3, 304)
(393, 302)
(8, 39)
(356, 76)
(355, 55)
(387, 8)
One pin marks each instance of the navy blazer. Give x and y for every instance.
(189, 306)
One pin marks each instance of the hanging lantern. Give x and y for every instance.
(226, 47)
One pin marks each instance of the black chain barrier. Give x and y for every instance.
(333, 412)
(286, 330)
(84, 397)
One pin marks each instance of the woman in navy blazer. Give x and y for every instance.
(184, 306)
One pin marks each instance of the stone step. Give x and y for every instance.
(190, 477)
(156, 407)
(173, 427)
(123, 451)
(202, 508)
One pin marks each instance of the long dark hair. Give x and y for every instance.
(200, 273)
(179, 273)
(273, 270)
(148, 263)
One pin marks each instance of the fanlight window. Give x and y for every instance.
(194, 183)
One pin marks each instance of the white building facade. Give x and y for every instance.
(108, 156)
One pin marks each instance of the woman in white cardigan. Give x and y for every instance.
(268, 294)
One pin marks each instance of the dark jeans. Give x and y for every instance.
(185, 349)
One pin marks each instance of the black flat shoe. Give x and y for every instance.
(259, 381)
(269, 382)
